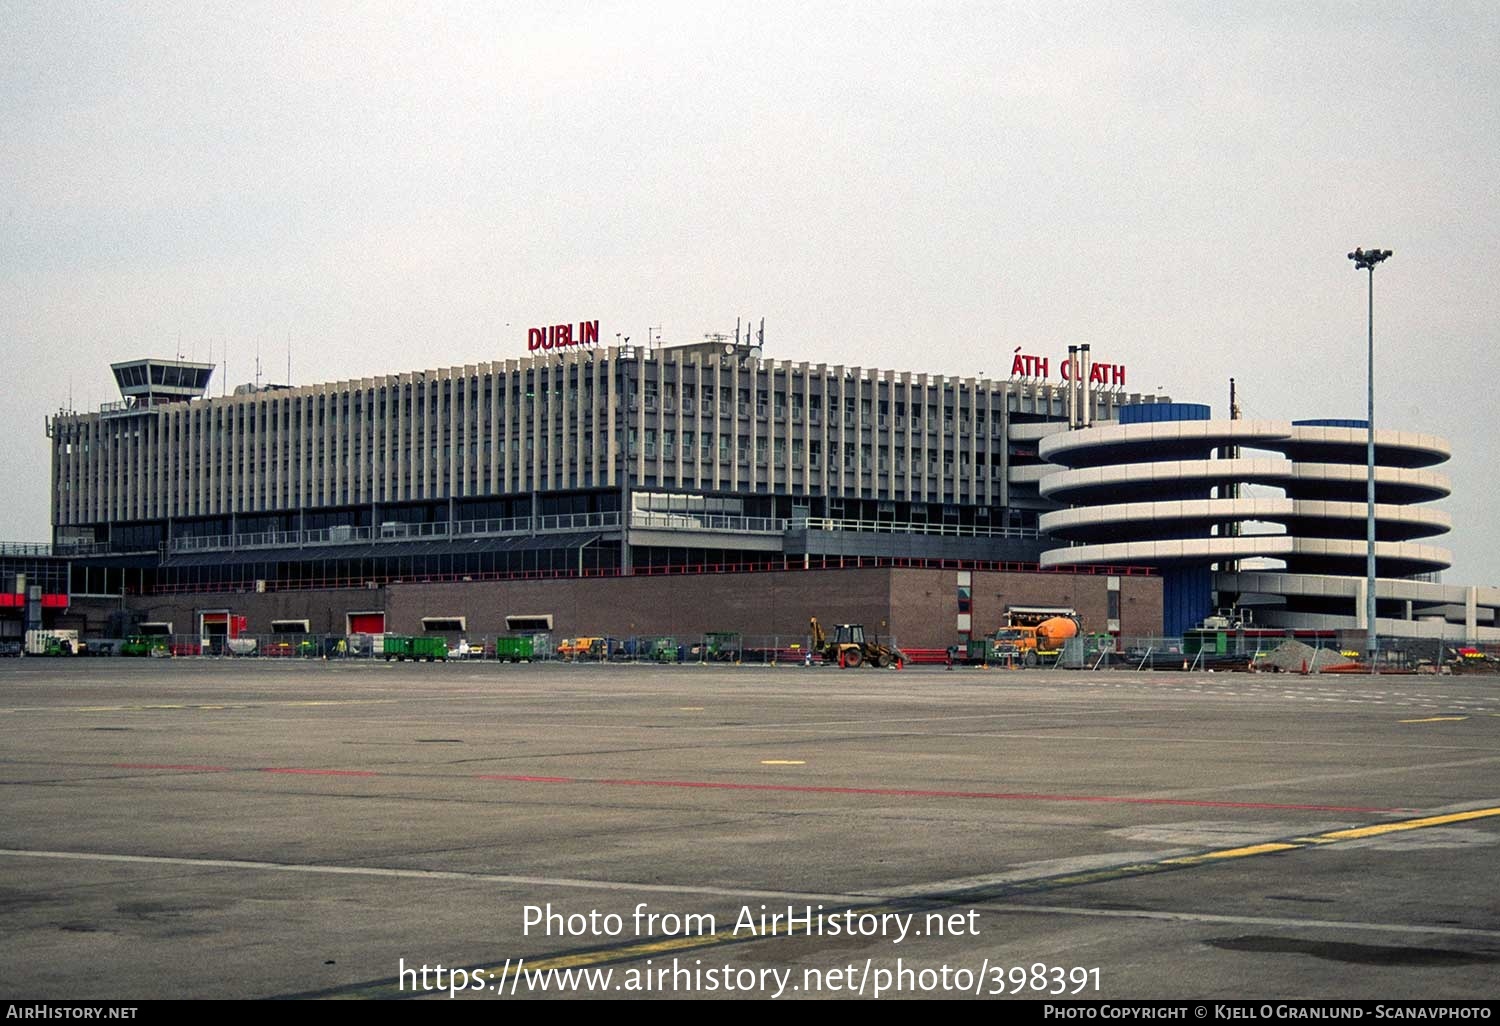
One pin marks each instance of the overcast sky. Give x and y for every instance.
(907, 186)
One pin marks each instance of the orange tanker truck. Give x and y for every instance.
(1029, 644)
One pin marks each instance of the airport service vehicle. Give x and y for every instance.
(401, 648)
(1026, 644)
(575, 648)
(515, 650)
(848, 647)
(145, 645)
(720, 647)
(53, 643)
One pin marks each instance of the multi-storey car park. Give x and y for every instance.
(1267, 514)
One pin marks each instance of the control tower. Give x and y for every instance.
(147, 383)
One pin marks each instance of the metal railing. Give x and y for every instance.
(95, 548)
(732, 647)
(395, 532)
(707, 522)
(777, 564)
(124, 409)
(909, 527)
(522, 526)
(25, 549)
(1309, 653)
(702, 649)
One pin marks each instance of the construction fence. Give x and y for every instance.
(722, 648)
(1235, 651)
(1219, 652)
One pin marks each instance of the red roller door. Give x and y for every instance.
(366, 623)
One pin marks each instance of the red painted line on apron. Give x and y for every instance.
(319, 772)
(901, 792)
(865, 792)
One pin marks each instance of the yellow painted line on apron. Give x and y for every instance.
(1405, 824)
(497, 976)
(1231, 853)
(339, 701)
(1437, 719)
(783, 762)
(169, 707)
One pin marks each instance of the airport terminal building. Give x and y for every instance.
(585, 459)
(621, 462)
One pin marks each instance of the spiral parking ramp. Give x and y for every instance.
(1168, 487)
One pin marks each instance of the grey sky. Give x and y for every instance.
(913, 186)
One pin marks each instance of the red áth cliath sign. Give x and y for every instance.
(1025, 365)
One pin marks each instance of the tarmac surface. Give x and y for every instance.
(255, 828)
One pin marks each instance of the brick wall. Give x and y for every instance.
(917, 607)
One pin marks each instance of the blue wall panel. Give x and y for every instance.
(1187, 597)
(1332, 422)
(1156, 413)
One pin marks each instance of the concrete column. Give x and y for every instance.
(130, 470)
(531, 477)
(249, 478)
(185, 473)
(391, 435)
(712, 475)
(338, 443)
(674, 419)
(500, 426)
(460, 466)
(599, 458)
(1004, 414)
(223, 440)
(577, 428)
(403, 389)
(496, 436)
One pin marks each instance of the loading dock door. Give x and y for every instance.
(366, 623)
(214, 631)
